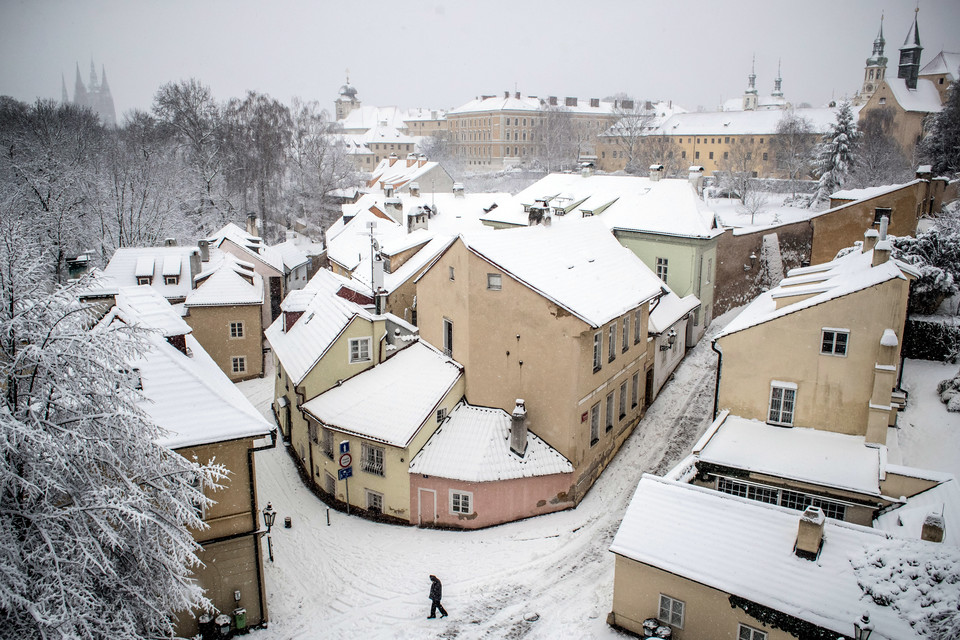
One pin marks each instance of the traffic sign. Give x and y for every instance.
(345, 460)
(345, 446)
(343, 474)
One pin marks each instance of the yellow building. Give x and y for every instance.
(556, 316)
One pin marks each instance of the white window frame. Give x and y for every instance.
(745, 632)
(142, 280)
(374, 501)
(460, 502)
(597, 351)
(781, 392)
(833, 334)
(494, 282)
(675, 611)
(448, 337)
(238, 364)
(357, 346)
(441, 414)
(594, 424)
(372, 459)
(236, 329)
(171, 280)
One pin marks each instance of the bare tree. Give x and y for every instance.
(557, 139)
(880, 160)
(738, 168)
(793, 146)
(629, 131)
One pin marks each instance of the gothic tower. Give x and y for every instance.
(750, 98)
(96, 97)
(876, 67)
(910, 55)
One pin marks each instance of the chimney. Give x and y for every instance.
(626, 105)
(870, 237)
(252, 224)
(552, 101)
(517, 95)
(415, 189)
(422, 160)
(933, 528)
(538, 213)
(570, 101)
(169, 242)
(195, 258)
(457, 189)
(411, 159)
(394, 208)
(518, 429)
(656, 172)
(810, 533)
(586, 170)
(388, 190)
(695, 175)
(290, 318)
(884, 225)
(506, 94)
(881, 253)
(204, 246)
(594, 102)
(393, 158)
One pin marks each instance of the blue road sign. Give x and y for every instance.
(343, 474)
(345, 446)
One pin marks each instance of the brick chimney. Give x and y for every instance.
(392, 159)
(518, 429)
(411, 159)
(810, 533)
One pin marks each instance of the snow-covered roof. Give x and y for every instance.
(390, 402)
(422, 113)
(817, 284)
(323, 320)
(870, 192)
(737, 123)
(745, 548)
(129, 263)
(907, 520)
(367, 117)
(473, 445)
(402, 172)
(488, 104)
(189, 397)
(763, 102)
(252, 245)
(669, 309)
(925, 98)
(582, 267)
(292, 254)
(226, 281)
(627, 203)
(814, 456)
(945, 62)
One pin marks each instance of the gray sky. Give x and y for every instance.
(440, 54)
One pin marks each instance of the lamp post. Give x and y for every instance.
(269, 516)
(862, 627)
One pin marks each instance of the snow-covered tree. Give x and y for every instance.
(941, 146)
(880, 160)
(793, 145)
(627, 133)
(95, 535)
(836, 154)
(936, 254)
(556, 137)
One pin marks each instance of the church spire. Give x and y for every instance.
(777, 91)
(79, 91)
(909, 67)
(879, 43)
(750, 99)
(64, 98)
(93, 77)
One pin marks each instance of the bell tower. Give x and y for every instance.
(750, 98)
(910, 55)
(347, 100)
(876, 67)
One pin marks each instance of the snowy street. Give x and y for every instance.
(545, 577)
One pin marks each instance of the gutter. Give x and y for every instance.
(716, 390)
(256, 520)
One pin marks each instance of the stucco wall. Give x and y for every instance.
(211, 328)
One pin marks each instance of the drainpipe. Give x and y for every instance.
(716, 390)
(256, 519)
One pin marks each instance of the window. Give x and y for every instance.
(635, 390)
(238, 364)
(749, 633)
(597, 351)
(594, 424)
(612, 342)
(374, 502)
(683, 154)
(461, 502)
(327, 444)
(883, 101)
(171, 279)
(493, 281)
(783, 396)
(880, 212)
(236, 329)
(359, 350)
(441, 415)
(371, 459)
(696, 155)
(636, 326)
(626, 333)
(448, 337)
(711, 155)
(451, 273)
(623, 400)
(662, 269)
(834, 342)
(726, 155)
(671, 611)
(764, 155)
(726, 140)
(610, 411)
(144, 279)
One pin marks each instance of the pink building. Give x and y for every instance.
(483, 467)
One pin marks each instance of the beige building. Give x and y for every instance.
(556, 316)
(247, 246)
(224, 311)
(206, 418)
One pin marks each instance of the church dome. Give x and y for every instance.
(348, 91)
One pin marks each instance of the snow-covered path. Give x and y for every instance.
(546, 577)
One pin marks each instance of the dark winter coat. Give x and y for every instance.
(436, 589)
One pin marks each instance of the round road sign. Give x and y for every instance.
(345, 460)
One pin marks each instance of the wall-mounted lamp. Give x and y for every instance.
(753, 259)
(671, 340)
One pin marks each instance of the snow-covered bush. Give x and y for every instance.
(949, 391)
(936, 254)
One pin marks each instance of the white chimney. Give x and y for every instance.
(458, 190)
(884, 223)
(518, 429)
(204, 246)
(695, 175)
(810, 533)
(656, 172)
(870, 237)
(415, 189)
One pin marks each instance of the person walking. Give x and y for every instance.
(436, 592)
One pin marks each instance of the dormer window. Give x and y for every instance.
(171, 280)
(144, 280)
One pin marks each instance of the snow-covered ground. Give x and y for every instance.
(547, 577)
(732, 213)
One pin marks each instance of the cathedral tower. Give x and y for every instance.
(96, 97)
(876, 67)
(910, 55)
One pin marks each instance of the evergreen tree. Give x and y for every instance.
(836, 154)
(941, 147)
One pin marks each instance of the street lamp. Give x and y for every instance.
(862, 627)
(671, 340)
(269, 517)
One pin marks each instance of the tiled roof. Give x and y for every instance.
(745, 548)
(390, 402)
(473, 445)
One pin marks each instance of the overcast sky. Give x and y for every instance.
(441, 54)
